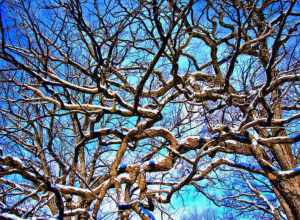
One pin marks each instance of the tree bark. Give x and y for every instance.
(290, 190)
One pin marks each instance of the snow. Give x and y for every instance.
(149, 111)
(10, 216)
(295, 171)
(123, 176)
(158, 128)
(185, 140)
(72, 188)
(16, 159)
(2, 205)
(74, 211)
(273, 168)
(231, 142)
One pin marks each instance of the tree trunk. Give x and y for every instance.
(289, 190)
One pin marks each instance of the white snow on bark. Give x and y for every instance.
(10, 216)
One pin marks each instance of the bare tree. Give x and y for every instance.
(109, 108)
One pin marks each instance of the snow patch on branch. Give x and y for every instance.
(292, 172)
(75, 212)
(14, 159)
(10, 216)
(72, 189)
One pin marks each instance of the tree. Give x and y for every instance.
(112, 107)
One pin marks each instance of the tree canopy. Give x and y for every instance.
(109, 109)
